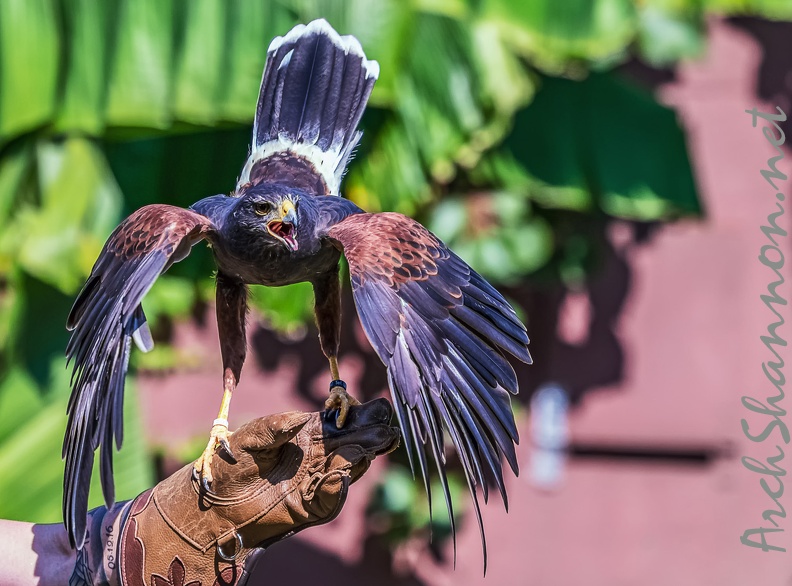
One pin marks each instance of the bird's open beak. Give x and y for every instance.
(285, 229)
(288, 213)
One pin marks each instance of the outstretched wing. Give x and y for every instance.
(105, 318)
(438, 326)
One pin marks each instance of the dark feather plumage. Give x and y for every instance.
(437, 326)
(105, 318)
(313, 93)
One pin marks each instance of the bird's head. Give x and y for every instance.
(273, 211)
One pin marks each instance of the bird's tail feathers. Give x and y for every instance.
(313, 93)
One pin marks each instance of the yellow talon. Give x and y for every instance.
(218, 437)
(341, 400)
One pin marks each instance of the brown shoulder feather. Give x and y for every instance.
(389, 246)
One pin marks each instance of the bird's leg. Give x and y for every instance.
(327, 306)
(231, 310)
(218, 436)
(339, 398)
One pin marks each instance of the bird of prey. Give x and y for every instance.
(437, 325)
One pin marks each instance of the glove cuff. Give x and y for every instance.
(97, 563)
(151, 552)
(130, 544)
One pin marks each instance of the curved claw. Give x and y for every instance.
(341, 400)
(227, 448)
(203, 466)
(204, 483)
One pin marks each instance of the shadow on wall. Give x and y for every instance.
(297, 562)
(774, 77)
(595, 351)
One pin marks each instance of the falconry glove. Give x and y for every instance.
(292, 471)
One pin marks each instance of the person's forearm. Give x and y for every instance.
(34, 555)
(40, 555)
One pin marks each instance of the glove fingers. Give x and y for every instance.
(326, 493)
(371, 413)
(367, 425)
(352, 460)
(375, 439)
(269, 432)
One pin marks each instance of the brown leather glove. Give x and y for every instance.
(292, 471)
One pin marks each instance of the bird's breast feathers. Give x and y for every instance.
(275, 265)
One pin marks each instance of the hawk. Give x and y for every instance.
(435, 323)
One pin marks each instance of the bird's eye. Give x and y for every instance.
(262, 209)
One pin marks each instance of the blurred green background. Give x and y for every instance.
(504, 125)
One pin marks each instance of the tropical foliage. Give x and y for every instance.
(496, 121)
